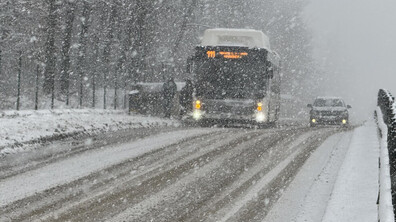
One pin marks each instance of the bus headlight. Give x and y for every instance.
(260, 117)
(197, 114)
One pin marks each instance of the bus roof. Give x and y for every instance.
(236, 37)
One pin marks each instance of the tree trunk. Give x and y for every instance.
(65, 69)
(120, 68)
(19, 81)
(1, 64)
(82, 47)
(183, 27)
(37, 88)
(139, 45)
(49, 72)
(107, 49)
(95, 69)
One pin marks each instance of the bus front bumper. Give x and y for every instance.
(258, 117)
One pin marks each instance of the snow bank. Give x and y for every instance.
(355, 193)
(385, 199)
(18, 129)
(25, 113)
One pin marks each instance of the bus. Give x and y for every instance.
(236, 77)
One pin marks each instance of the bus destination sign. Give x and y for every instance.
(227, 55)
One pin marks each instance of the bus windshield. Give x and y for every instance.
(230, 79)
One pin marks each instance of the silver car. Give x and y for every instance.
(329, 111)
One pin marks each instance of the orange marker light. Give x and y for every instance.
(197, 104)
(259, 106)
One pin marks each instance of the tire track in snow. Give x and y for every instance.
(29, 183)
(180, 200)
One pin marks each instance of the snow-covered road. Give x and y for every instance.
(202, 174)
(338, 183)
(70, 169)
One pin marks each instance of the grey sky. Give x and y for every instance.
(355, 47)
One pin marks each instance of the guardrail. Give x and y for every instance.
(386, 102)
(386, 120)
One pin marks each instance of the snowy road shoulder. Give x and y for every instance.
(339, 182)
(20, 130)
(355, 194)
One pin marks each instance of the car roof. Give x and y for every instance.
(328, 97)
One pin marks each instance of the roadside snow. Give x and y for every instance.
(339, 182)
(307, 196)
(355, 194)
(19, 128)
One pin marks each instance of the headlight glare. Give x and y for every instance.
(260, 117)
(197, 114)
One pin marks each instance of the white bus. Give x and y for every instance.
(236, 77)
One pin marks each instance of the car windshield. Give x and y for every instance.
(329, 103)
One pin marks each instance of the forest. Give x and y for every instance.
(84, 53)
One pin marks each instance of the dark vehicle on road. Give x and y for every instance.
(237, 78)
(329, 111)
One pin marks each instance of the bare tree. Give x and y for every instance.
(49, 72)
(85, 18)
(65, 67)
(118, 45)
(1, 54)
(185, 19)
(107, 49)
(19, 81)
